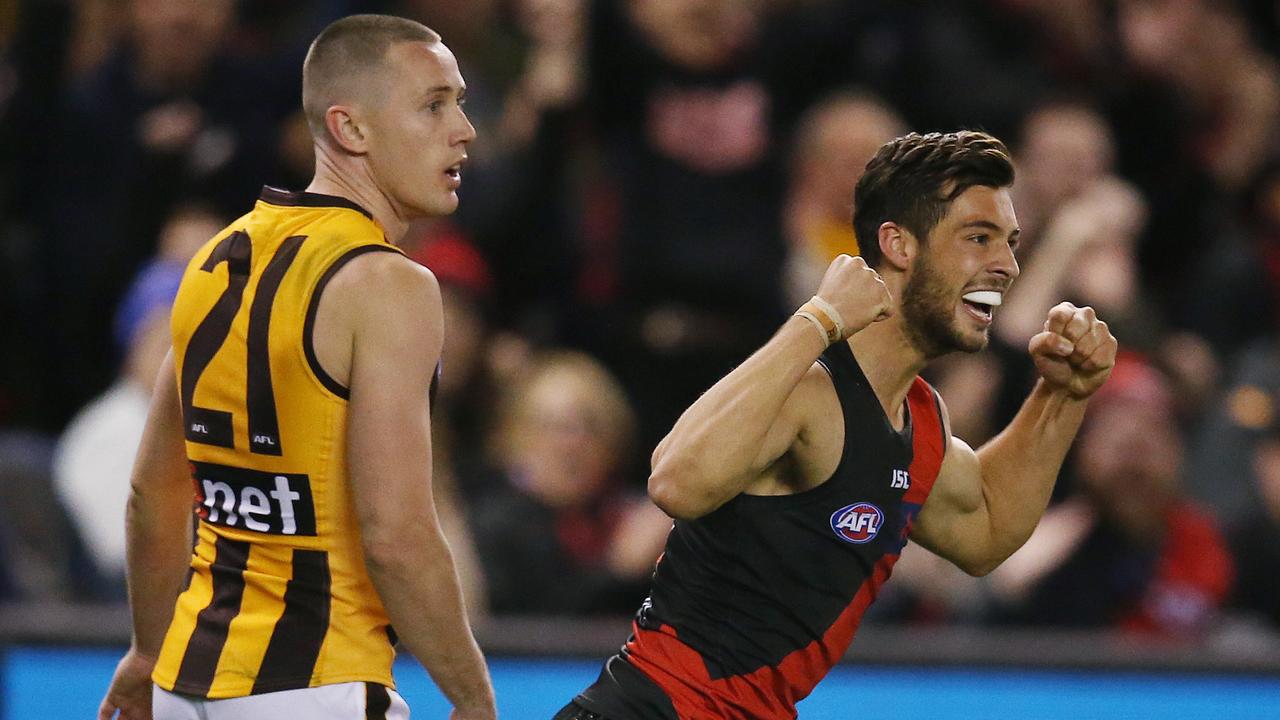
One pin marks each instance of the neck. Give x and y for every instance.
(890, 362)
(342, 178)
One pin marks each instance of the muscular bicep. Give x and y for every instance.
(782, 435)
(802, 447)
(954, 522)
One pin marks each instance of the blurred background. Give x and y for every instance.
(656, 185)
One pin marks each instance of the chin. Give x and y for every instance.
(967, 336)
(445, 205)
(436, 207)
(941, 340)
(972, 343)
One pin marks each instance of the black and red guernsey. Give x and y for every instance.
(753, 603)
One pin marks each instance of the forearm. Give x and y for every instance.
(158, 517)
(1021, 465)
(158, 536)
(419, 587)
(716, 442)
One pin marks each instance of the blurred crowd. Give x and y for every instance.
(656, 185)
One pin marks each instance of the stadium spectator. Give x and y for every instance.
(169, 114)
(1064, 147)
(43, 47)
(1224, 443)
(833, 142)
(94, 456)
(1248, 382)
(41, 558)
(1195, 104)
(1204, 49)
(1130, 551)
(691, 102)
(464, 397)
(1262, 219)
(563, 535)
(1256, 542)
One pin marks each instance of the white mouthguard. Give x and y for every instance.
(985, 297)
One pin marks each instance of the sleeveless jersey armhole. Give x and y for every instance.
(313, 306)
(844, 373)
(845, 412)
(944, 423)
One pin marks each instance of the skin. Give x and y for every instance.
(388, 147)
(157, 519)
(773, 426)
(379, 331)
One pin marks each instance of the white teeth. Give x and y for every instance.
(985, 297)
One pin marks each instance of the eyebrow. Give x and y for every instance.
(461, 90)
(988, 225)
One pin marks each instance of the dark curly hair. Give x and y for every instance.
(912, 179)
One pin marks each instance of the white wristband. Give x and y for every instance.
(831, 312)
(816, 323)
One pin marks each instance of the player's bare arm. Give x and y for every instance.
(158, 532)
(380, 325)
(985, 504)
(727, 440)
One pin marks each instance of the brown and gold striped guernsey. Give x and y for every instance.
(278, 596)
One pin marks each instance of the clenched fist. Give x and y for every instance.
(856, 292)
(1075, 352)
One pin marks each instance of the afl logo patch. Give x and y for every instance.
(857, 523)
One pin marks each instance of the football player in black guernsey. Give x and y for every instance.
(797, 479)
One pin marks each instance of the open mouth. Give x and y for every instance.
(981, 303)
(454, 173)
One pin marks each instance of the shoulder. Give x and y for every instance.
(815, 395)
(817, 380)
(385, 280)
(817, 416)
(379, 305)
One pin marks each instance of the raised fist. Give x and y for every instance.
(1075, 352)
(856, 292)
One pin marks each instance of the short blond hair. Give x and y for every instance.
(607, 403)
(345, 54)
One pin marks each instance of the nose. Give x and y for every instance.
(1006, 263)
(468, 131)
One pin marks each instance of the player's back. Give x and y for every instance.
(278, 596)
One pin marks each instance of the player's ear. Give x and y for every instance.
(345, 130)
(897, 245)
